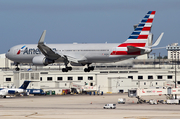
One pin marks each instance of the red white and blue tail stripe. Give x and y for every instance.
(137, 41)
(139, 36)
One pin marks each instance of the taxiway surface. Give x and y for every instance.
(84, 107)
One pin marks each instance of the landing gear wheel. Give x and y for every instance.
(17, 69)
(64, 70)
(89, 69)
(69, 68)
(86, 70)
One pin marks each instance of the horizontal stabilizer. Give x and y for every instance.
(132, 49)
(158, 40)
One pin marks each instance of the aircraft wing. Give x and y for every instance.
(49, 53)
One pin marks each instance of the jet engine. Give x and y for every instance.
(41, 60)
(12, 92)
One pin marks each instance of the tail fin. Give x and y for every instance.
(139, 36)
(25, 84)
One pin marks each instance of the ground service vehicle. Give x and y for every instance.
(109, 106)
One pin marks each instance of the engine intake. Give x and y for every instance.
(12, 92)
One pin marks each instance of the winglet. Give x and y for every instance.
(41, 40)
(158, 40)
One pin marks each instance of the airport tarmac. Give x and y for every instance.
(84, 107)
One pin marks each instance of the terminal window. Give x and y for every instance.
(140, 77)
(130, 77)
(169, 76)
(90, 78)
(59, 78)
(49, 78)
(70, 78)
(150, 77)
(159, 77)
(80, 78)
(8, 79)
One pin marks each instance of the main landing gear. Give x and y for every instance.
(89, 68)
(66, 69)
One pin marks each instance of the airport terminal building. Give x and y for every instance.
(107, 78)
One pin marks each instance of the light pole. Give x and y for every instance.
(154, 60)
(159, 60)
(178, 59)
(175, 73)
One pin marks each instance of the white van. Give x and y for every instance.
(109, 106)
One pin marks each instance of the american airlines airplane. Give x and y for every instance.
(14, 91)
(42, 54)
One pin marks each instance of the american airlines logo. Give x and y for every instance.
(20, 50)
(30, 50)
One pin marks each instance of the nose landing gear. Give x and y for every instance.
(17, 68)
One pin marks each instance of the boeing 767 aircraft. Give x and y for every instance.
(85, 54)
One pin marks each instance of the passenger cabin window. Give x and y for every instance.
(8, 79)
(40, 78)
(140, 77)
(59, 78)
(49, 78)
(80, 78)
(70, 78)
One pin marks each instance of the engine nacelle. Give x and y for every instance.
(41, 60)
(77, 64)
(12, 92)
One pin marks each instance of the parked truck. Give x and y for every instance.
(35, 91)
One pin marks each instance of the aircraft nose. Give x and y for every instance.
(7, 54)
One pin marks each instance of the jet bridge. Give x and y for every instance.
(138, 93)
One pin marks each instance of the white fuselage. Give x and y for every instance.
(88, 53)
(10, 91)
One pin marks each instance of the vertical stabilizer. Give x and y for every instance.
(25, 84)
(139, 36)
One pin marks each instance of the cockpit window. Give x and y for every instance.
(9, 50)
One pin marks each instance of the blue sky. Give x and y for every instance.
(84, 21)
